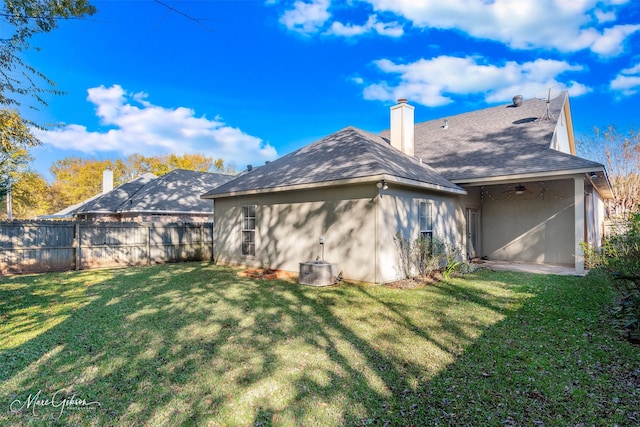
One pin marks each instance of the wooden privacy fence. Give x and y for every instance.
(36, 247)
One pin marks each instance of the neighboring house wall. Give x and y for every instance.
(98, 217)
(165, 218)
(537, 226)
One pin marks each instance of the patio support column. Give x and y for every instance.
(579, 223)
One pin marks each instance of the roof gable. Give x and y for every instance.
(345, 155)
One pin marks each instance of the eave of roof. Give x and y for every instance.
(389, 179)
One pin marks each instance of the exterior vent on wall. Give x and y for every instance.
(317, 273)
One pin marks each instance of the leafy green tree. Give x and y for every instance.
(76, 179)
(31, 196)
(161, 165)
(15, 141)
(18, 80)
(24, 19)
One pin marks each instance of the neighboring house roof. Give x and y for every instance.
(69, 211)
(349, 155)
(496, 142)
(178, 191)
(112, 200)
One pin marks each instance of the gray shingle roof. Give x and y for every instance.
(498, 141)
(493, 142)
(176, 191)
(111, 201)
(347, 154)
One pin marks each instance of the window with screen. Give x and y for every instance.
(425, 215)
(249, 230)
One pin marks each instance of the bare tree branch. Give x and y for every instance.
(189, 17)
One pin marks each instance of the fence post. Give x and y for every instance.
(148, 244)
(202, 242)
(213, 238)
(77, 238)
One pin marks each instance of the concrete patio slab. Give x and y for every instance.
(561, 270)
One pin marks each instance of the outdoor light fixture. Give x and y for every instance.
(593, 175)
(382, 185)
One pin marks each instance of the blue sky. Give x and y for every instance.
(250, 81)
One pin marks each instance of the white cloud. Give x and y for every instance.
(633, 70)
(610, 43)
(627, 82)
(566, 26)
(138, 126)
(603, 16)
(433, 82)
(340, 29)
(314, 17)
(390, 29)
(307, 18)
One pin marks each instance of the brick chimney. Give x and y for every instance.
(402, 124)
(107, 181)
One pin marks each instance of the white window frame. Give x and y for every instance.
(425, 218)
(248, 237)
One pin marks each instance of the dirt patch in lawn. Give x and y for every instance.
(417, 282)
(266, 274)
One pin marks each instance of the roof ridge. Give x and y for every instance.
(564, 95)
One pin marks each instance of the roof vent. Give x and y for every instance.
(446, 124)
(517, 100)
(249, 168)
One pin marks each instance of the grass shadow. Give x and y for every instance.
(192, 344)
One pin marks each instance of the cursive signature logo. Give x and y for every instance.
(60, 400)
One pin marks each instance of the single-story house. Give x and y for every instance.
(503, 183)
(173, 197)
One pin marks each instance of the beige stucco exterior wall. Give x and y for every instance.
(537, 226)
(399, 212)
(290, 224)
(595, 214)
(357, 224)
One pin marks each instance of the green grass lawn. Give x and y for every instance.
(194, 344)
